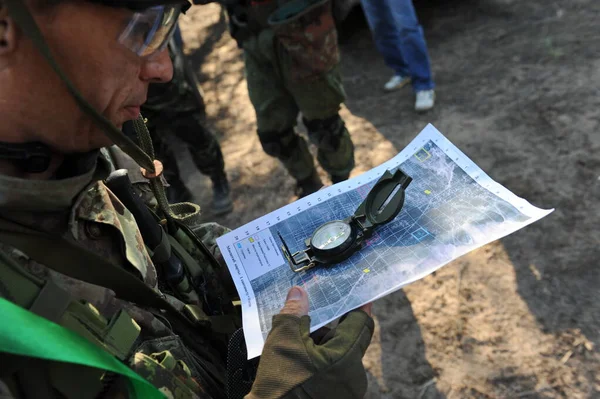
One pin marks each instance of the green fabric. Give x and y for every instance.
(22, 331)
(333, 369)
(337, 161)
(275, 97)
(291, 149)
(41, 195)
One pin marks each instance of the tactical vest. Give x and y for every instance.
(189, 364)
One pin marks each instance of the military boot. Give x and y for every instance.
(309, 185)
(222, 202)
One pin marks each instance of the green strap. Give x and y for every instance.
(22, 331)
(22, 17)
(185, 212)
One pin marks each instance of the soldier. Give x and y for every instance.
(292, 66)
(98, 298)
(177, 109)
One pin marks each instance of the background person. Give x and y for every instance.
(400, 39)
(291, 68)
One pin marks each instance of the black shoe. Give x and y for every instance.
(309, 185)
(222, 202)
(339, 178)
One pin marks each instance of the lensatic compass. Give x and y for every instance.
(337, 240)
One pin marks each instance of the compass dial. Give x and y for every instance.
(331, 235)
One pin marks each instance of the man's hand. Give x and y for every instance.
(293, 365)
(296, 302)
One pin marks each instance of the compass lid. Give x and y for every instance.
(386, 198)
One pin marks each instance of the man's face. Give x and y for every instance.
(113, 79)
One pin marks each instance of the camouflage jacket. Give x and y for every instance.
(83, 210)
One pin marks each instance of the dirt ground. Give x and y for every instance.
(518, 86)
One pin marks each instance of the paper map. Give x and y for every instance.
(451, 207)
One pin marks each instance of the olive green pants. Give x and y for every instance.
(278, 99)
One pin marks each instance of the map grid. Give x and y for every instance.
(440, 210)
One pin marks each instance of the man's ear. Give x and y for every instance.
(8, 31)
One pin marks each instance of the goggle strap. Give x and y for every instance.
(21, 15)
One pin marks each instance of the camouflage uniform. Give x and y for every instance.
(293, 68)
(83, 210)
(177, 109)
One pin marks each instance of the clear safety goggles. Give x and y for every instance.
(149, 31)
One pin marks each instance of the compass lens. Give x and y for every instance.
(331, 235)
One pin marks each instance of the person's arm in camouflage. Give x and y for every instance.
(294, 366)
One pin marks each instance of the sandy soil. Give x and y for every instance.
(518, 85)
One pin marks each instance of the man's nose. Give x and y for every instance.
(157, 68)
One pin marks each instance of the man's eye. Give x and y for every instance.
(142, 30)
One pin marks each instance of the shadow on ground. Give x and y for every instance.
(517, 91)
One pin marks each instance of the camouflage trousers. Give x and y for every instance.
(278, 96)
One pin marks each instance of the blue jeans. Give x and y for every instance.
(399, 38)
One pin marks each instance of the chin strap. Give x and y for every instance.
(22, 17)
(29, 157)
(185, 212)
